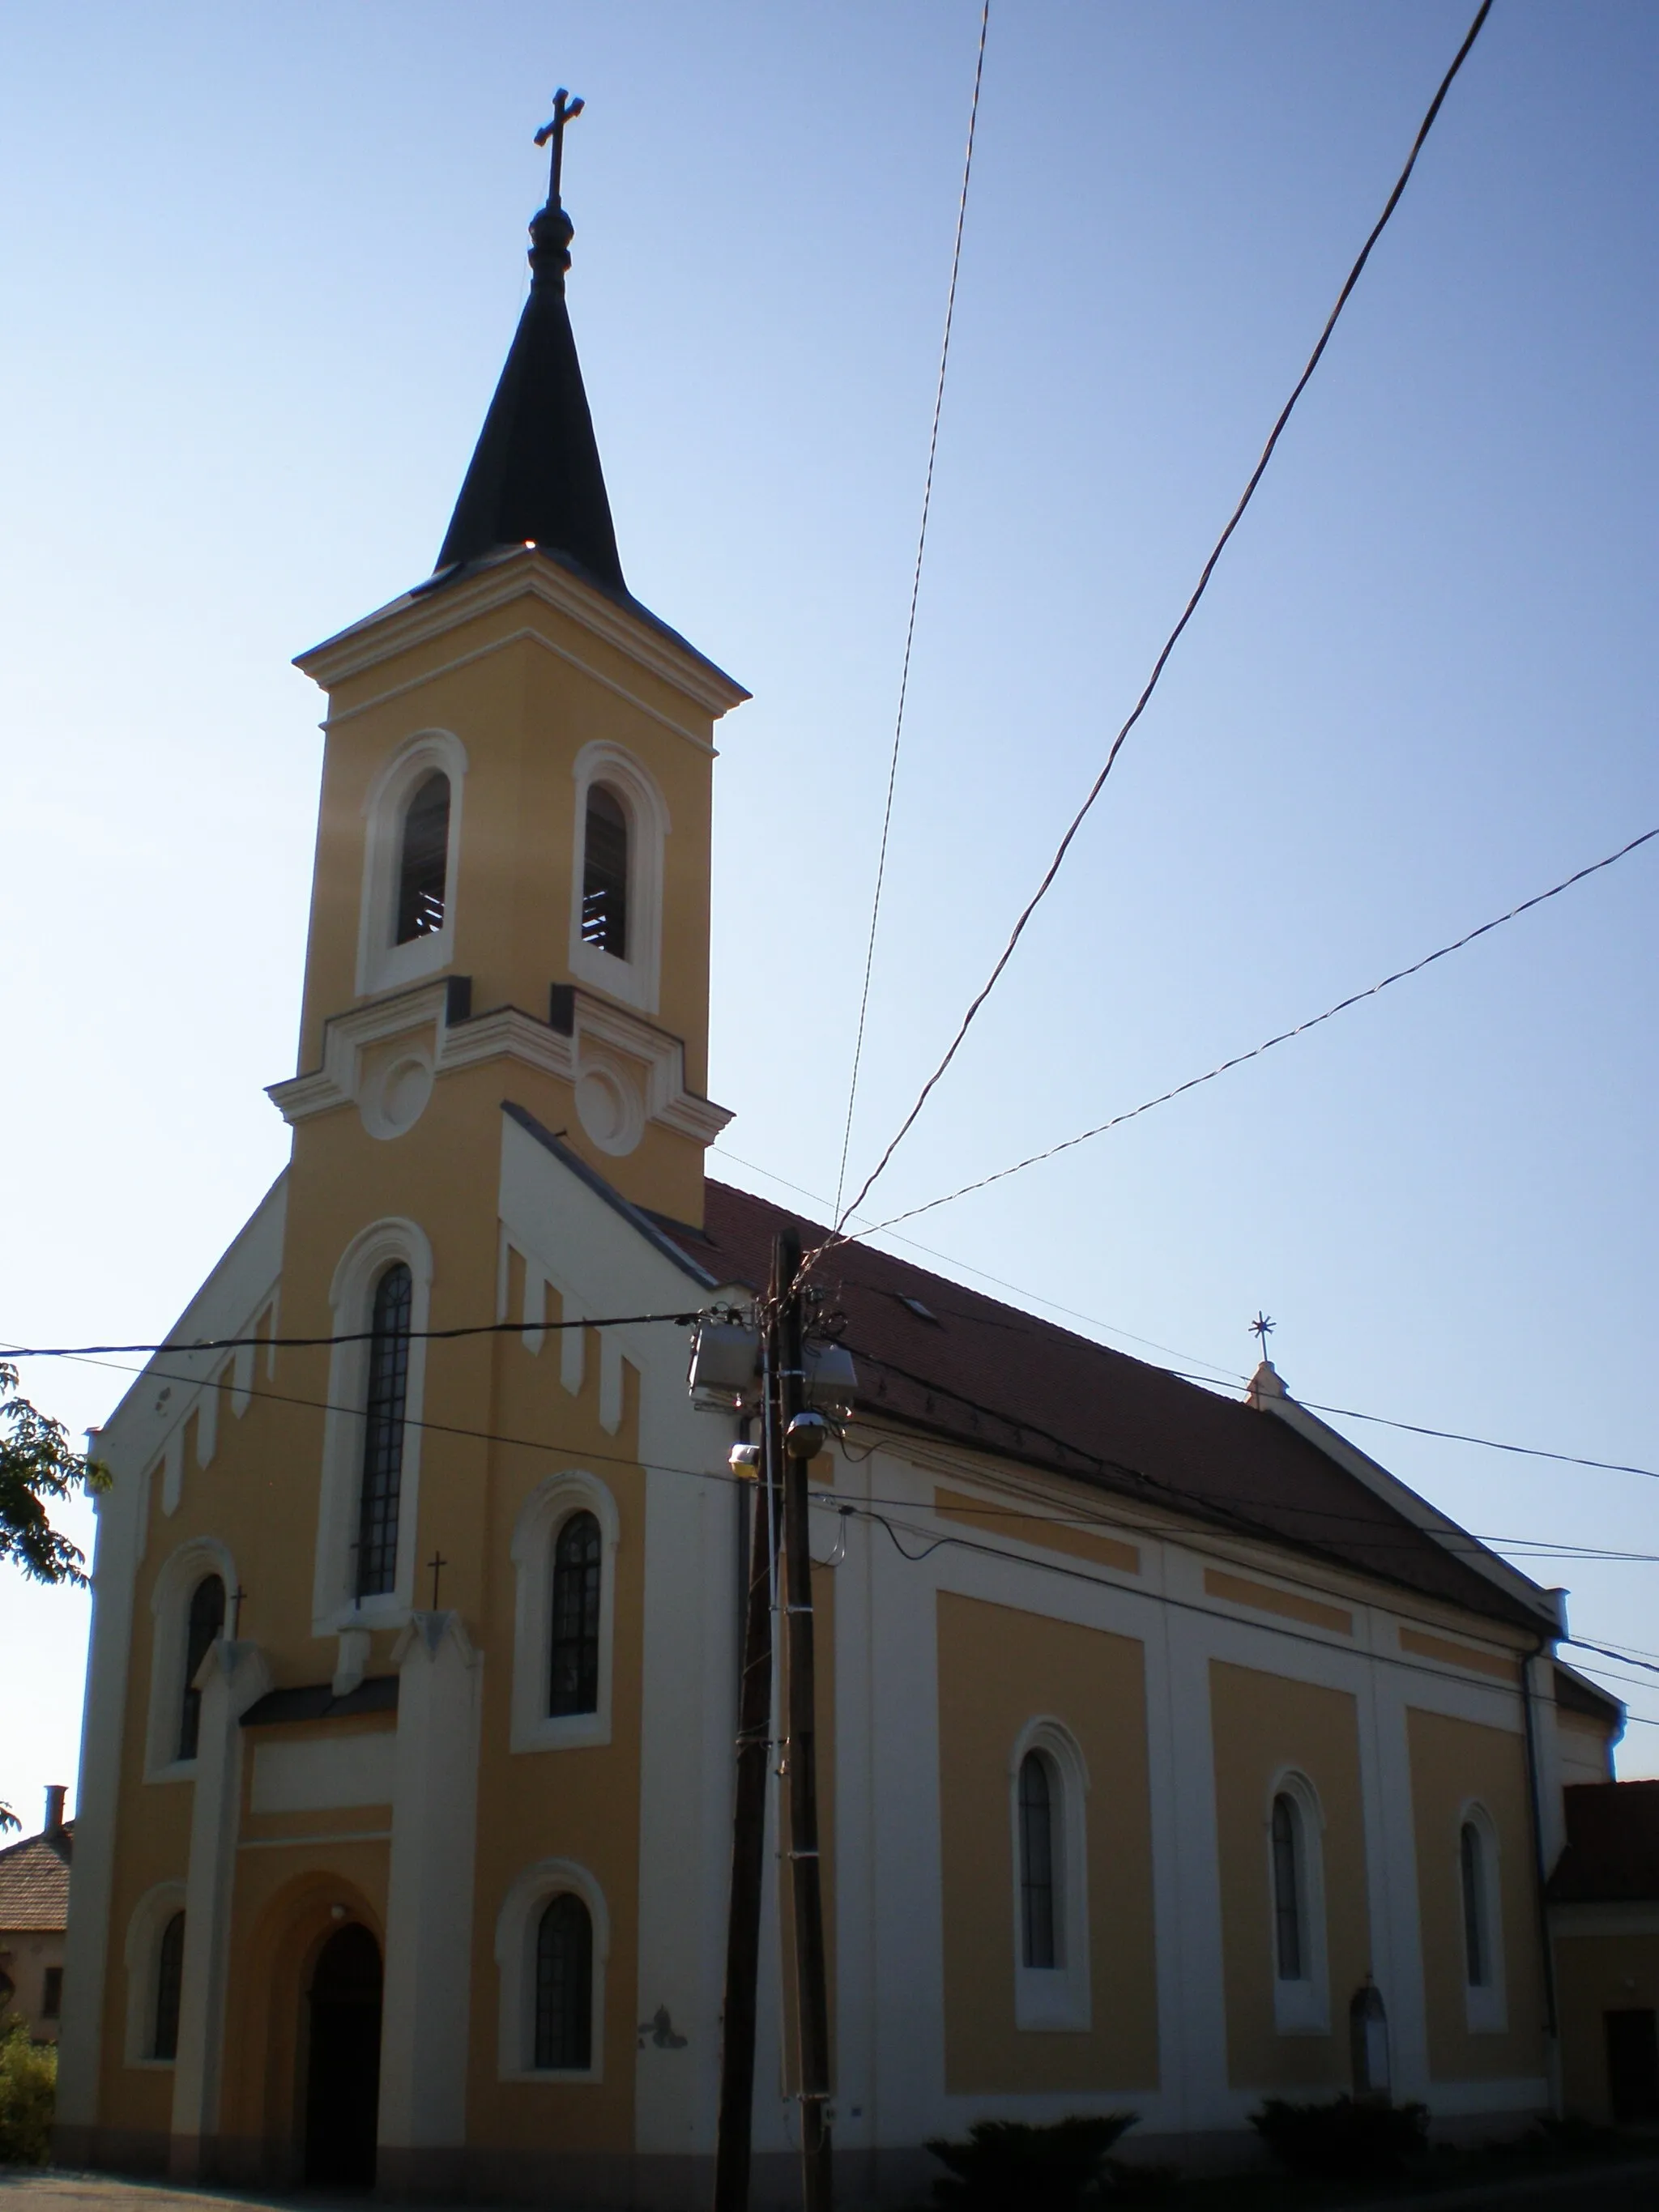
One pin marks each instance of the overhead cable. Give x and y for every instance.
(1187, 612)
(915, 595)
(685, 1320)
(1239, 1058)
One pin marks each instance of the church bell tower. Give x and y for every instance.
(512, 882)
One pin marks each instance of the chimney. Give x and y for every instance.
(56, 1793)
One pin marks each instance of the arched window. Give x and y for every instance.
(1290, 1934)
(423, 861)
(578, 1555)
(206, 1620)
(564, 1987)
(604, 872)
(1477, 1942)
(383, 1432)
(1038, 1910)
(169, 1978)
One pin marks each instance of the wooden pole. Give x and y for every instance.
(811, 1995)
(737, 2092)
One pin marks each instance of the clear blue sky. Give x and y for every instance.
(260, 269)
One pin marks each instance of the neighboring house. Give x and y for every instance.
(1604, 1914)
(1156, 1729)
(35, 1887)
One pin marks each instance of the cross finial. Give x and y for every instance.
(1261, 1329)
(437, 1563)
(236, 1597)
(565, 110)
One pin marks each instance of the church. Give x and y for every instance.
(1172, 1754)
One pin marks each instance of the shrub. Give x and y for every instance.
(1007, 2166)
(1343, 2140)
(28, 2090)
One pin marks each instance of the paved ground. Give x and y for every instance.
(1633, 2188)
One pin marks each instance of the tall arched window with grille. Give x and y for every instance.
(383, 1432)
(604, 872)
(564, 1987)
(1290, 1934)
(574, 1673)
(1477, 1940)
(169, 1982)
(205, 1620)
(423, 861)
(1041, 1933)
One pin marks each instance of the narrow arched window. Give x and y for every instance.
(1038, 1916)
(383, 1432)
(604, 872)
(169, 1980)
(1290, 1950)
(564, 1986)
(573, 1686)
(424, 862)
(207, 1618)
(1477, 1946)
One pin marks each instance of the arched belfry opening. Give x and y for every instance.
(342, 2070)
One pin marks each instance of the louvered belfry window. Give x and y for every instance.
(383, 1432)
(564, 1987)
(207, 1618)
(1038, 1946)
(574, 1673)
(169, 1979)
(423, 865)
(604, 873)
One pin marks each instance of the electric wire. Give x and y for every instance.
(951, 1260)
(682, 1320)
(1240, 1059)
(1163, 1597)
(915, 595)
(1187, 612)
(565, 1448)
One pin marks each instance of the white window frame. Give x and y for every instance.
(169, 1605)
(1054, 1998)
(1301, 2007)
(150, 1915)
(535, 1534)
(334, 1603)
(516, 1957)
(636, 980)
(382, 964)
(1486, 2005)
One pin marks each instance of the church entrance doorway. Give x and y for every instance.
(342, 2078)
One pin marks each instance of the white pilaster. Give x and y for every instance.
(428, 1930)
(230, 1679)
(86, 1950)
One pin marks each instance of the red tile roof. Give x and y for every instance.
(973, 1370)
(35, 1881)
(1612, 1844)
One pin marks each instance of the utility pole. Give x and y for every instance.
(791, 1436)
(737, 2095)
(802, 1437)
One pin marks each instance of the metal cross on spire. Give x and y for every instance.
(565, 110)
(1261, 1329)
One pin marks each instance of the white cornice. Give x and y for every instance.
(503, 1033)
(1445, 1531)
(418, 616)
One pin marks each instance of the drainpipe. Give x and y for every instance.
(1540, 1875)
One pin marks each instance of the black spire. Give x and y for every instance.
(535, 473)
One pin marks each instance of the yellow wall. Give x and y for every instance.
(1453, 1761)
(1597, 1974)
(1263, 1724)
(998, 1669)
